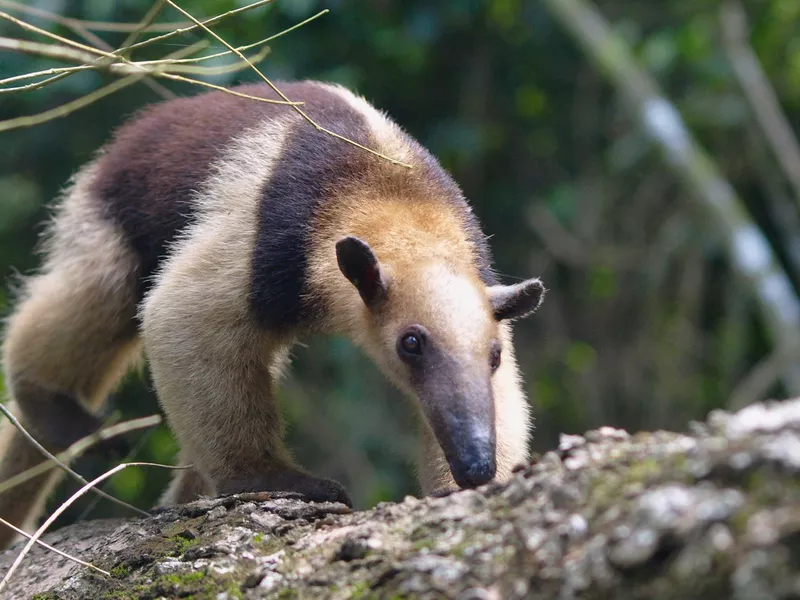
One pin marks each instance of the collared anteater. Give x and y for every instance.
(217, 230)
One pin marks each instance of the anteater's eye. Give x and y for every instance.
(494, 358)
(411, 343)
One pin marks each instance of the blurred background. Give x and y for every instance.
(654, 317)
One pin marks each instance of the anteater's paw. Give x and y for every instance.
(316, 489)
(443, 492)
(313, 489)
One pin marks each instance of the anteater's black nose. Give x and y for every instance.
(472, 473)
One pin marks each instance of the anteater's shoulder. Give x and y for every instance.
(146, 177)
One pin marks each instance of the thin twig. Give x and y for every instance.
(167, 64)
(179, 65)
(254, 44)
(58, 38)
(299, 110)
(93, 25)
(90, 37)
(126, 47)
(211, 21)
(55, 51)
(56, 550)
(86, 35)
(93, 65)
(146, 20)
(68, 42)
(70, 107)
(135, 449)
(141, 26)
(116, 54)
(83, 101)
(57, 513)
(61, 465)
(79, 447)
(114, 66)
(61, 53)
(224, 89)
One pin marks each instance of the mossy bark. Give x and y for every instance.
(664, 515)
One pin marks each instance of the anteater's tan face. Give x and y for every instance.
(440, 337)
(435, 332)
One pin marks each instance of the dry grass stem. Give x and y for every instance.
(79, 447)
(71, 500)
(281, 94)
(60, 464)
(56, 550)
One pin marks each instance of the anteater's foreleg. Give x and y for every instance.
(214, 369)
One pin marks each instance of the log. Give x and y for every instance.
(714, 513)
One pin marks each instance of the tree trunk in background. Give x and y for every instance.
(747, 248)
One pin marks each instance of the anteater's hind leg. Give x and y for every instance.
(68, 341)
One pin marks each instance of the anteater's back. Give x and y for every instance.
(147, 177)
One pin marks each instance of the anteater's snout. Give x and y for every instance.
(475, 467)
(461, 413)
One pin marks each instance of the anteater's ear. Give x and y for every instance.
(359, 264)
(518, 300)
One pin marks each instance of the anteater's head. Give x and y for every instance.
(436, 329)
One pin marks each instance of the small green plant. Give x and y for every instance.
(120, 572)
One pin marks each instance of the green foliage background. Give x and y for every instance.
(645, 325)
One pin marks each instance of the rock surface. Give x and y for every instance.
(714, 513)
